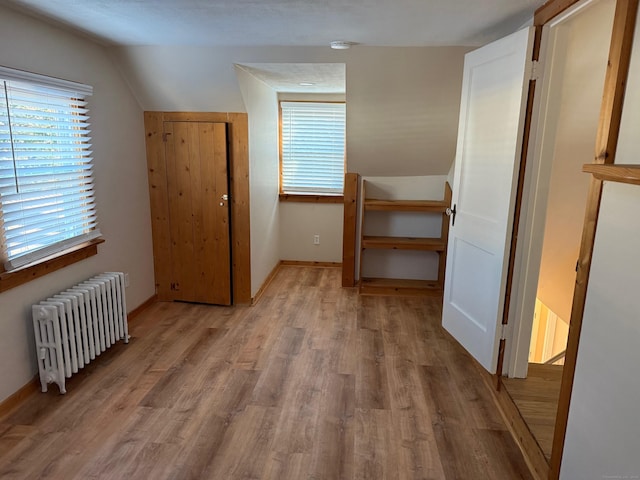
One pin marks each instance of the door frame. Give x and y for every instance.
(535, 195)
(606, 143)
(238, 152)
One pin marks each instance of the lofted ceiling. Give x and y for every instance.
(295, 77)
(285, 22)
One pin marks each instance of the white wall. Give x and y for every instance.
(580, 71)
(403, 103)
(403, 110)
(262, 108)
(602, 432)
(120, 181)
(299, 222)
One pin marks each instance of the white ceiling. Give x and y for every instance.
(286, 22)
(286, 77)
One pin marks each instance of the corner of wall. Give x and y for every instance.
(262, 108)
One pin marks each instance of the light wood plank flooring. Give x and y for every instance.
(314, 382)
(537, 400)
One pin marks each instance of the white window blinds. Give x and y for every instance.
(46, 184)
(313, 138)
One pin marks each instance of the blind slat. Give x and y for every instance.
(313, 139)
(46, 179)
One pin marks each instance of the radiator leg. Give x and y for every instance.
(61, 386)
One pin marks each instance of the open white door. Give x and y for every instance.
(492, 112)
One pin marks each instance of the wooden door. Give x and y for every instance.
(197, 186)
(495, 82)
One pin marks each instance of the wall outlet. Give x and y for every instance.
(316, 239)
(126, 279)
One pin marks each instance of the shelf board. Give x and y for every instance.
(404, 243)
(396, 286)
(614, 172)
(432, 206)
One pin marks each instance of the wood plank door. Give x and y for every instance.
(492, 112)
(198, 188)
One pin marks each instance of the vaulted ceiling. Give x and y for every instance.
(286, 22)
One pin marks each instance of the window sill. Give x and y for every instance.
(22, 275)
(301, 198)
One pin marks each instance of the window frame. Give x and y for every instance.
(311, 197)
(67, 255)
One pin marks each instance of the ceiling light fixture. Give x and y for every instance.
(340, 45)
(306, 84)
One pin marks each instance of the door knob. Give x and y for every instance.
(224, 197)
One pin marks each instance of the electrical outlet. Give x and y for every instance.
(126, 279)
(316, 239)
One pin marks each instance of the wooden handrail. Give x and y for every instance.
(555, 358)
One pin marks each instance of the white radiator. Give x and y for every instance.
(74, 326)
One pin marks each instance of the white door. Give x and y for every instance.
(492, 112)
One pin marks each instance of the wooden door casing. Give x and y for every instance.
(237, 132)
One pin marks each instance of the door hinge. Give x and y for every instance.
(503, 331)
(535, 70)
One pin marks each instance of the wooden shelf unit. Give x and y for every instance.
(614, 173)
(401, 286)
(427, 206)
(404, 243)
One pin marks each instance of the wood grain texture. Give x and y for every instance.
(159, 202)
(624, 24)
(133, 314)
(399, 286)
(533, 454)
(313, 382)
(301, 198)
(551, 9)
(614, 173)
(18, 397)
(306, 263)
(426, 206)
(20, 276)
(350, 228)
(404, 243)
(238, 129)
(444, 234)
(537, 400)
(265, 284)
(238, 152)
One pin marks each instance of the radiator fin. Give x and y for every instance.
(75, 326)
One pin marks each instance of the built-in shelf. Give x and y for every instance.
(614, 173)
(399, 286)
(404, 243)
(431, 206)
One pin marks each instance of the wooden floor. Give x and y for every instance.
(314, 382)
(537, 400)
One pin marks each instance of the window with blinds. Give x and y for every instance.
(312, 148)
(46, 185)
